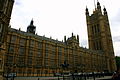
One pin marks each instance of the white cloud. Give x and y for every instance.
(57, 18)
(117, 48)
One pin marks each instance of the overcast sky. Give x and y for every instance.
(57, 18)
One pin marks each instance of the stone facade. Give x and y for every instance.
(5, 15)
(99, 34)
(36, 55)
(28, 54)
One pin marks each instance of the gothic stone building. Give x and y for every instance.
(5, 14)
(28, 54)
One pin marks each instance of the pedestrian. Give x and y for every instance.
(38, 78)
(116, 76)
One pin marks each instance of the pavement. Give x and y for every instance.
(102, 78)
(60, 78)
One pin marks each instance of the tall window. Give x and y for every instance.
(59, 56)
(1, 4)
(1, 27)
(46, 54)
(98, 28)
(71, 57)
(38, 62)
(11, 49)
(97, 45)
(92, 29)
(5, 7)
(29, 71)
(95, 29)
(29, 61)
(75, 59)
(13, 39)
(65, 54)
(31, 51)
(100, 45)
(0, 64)
(32, 43)
(38, 71)
(47, 50)
(94, 45)
(21, 51)
(10, 59)
(52, 57)
(8, 10)
(39, 53)
(39, 45)
(20, 61)
(22, 41)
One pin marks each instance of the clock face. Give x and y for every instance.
(31, 30)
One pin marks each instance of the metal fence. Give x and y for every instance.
(83, 76)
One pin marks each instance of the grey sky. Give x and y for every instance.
(57, 18)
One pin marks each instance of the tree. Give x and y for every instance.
(117, 58)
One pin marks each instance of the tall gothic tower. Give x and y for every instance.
(99, 34)
(5, 15)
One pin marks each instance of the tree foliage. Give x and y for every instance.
(117, 58)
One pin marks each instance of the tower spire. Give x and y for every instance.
(98, 6)
(98, 3)
(87, 12)
(31, 23)
(105, 11)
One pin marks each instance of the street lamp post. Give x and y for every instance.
(64, 66)
(14, 66)
(8, 72)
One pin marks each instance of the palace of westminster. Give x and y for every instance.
(28, 54)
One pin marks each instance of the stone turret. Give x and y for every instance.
(31, 28)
